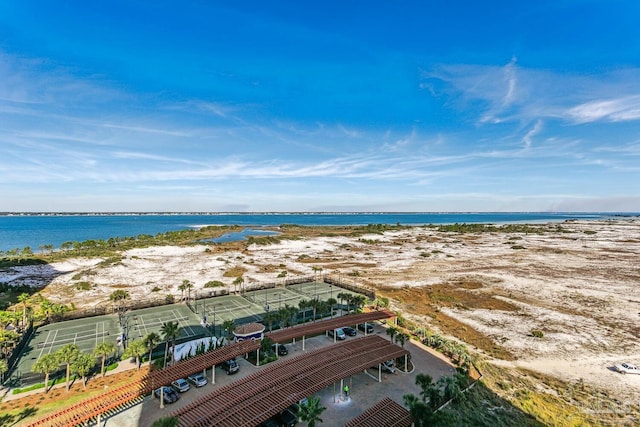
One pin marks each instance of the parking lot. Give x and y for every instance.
(364, 390)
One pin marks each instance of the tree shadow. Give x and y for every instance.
(14, 419)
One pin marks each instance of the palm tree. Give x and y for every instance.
(311, 411)
(66, 355)
(342, 296)
(45, 308)
(420, 412)
(331, 302)
(293, 313)
(315, 270)
(402, 338)
(104, 350)
(239, 281)
(170, 332)
(358, 301)
(82, 365)
(23, 298)
(228, 325)
(45, 365)
(270, 318)
(151, 341)
(303, 304)
(451, 388)
(135, 349)
(392, 331)
(182, 288)
(187, 286)
(320, 307)
(283, 316)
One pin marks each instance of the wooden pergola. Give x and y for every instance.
(121, 397)
(257, 397)
(385, 413)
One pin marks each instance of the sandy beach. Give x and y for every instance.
(578, 284)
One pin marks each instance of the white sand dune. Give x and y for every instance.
(581, 285)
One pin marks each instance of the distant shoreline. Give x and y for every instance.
(36, 230)
(160, 213)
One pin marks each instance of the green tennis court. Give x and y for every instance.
(216, 310)
(85, 333)
(140, 323)
(275, 298)
(322, 291)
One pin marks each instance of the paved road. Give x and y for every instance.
(364, 390)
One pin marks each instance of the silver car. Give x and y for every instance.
(181, 385)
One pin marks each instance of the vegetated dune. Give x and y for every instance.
(575, 283)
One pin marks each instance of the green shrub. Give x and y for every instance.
(83, 286)
(537, 333)
(213, 284)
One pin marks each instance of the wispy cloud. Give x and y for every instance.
(512, 92)
(613, 110)
(528, 138)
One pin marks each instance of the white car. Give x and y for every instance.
(627, 368)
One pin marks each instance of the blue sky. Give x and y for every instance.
(320, 106)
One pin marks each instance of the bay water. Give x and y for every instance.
(37, 230)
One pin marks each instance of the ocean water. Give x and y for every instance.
(34, 231)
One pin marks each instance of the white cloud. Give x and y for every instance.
(613, 110)
(515, 93)
(533, 132)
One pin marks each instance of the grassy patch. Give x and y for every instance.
(428, 300)
(236, 271)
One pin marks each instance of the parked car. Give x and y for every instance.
(282, 349)
(169, 395)
(350, 331)
(230, 366)
(286, 418)
(388, 366)
(197, 380)
(180, 385)
(339, 333)
(627, 368)
(366, 327)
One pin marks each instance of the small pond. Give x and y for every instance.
(237, 236)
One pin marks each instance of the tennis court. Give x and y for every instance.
(85, 333)
(216, 310)
(323, 291)
(140, 323)
(275, 298)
